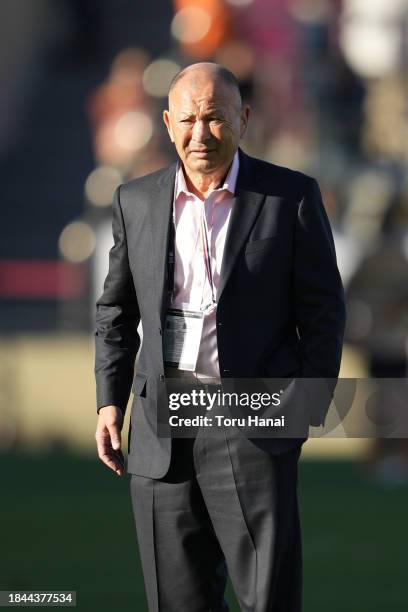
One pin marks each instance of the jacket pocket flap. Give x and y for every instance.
(139, 384)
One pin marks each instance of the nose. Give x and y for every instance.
(201, 131)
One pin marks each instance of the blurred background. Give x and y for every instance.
(84, 83)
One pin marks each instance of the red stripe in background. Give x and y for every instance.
(41, 279)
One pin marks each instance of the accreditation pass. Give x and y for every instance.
(182, 337)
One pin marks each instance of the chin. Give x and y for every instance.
(204, 164)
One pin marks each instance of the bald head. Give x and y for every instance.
(197, 74)
(205, 119)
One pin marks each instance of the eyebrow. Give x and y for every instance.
(208, 113)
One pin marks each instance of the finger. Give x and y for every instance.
(111, 458)
(104, 447)
(114, 433)
(111, 463)
(103, 441)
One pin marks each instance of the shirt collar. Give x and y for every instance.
(228, 185)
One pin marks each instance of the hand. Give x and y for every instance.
(108, 439)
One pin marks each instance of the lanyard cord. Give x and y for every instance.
(207, 255)
(171, 263)
(171, 258)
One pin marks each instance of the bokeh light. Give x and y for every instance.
(158, 75)
(101, 184)
(191, 24)
(133, 130)
(237, 57)
(77, 242)
(371, 35)
(129, 64)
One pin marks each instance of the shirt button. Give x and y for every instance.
(220, 324)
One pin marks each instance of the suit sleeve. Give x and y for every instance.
(117, 319)
(319, 300)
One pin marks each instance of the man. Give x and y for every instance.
(246, 247)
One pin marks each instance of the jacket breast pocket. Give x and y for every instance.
(139, 384)
(258, 245)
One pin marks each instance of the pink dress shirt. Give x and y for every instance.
(192, 289)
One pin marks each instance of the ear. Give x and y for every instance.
(166, 119)
(244, 119)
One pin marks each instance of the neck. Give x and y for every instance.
(202, 184)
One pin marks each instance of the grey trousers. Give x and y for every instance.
(224, 507)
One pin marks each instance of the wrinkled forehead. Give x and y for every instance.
(195, 93)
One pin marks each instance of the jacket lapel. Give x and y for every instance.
(247, 203)
(161, 216)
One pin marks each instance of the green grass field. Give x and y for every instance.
(66, 523)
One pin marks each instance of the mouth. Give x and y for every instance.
(202, 152)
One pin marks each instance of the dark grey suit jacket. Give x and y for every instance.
(280, 307)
